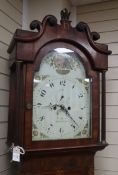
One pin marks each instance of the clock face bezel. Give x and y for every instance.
(90, 73)
(61, 98)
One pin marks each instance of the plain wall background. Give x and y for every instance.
(101, 17)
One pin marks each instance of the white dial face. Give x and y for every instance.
(61, 107)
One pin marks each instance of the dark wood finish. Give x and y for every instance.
(58, 157)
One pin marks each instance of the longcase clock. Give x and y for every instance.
(57, 97)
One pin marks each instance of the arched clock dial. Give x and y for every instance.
(61, 98)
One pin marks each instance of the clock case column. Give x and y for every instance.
(74, 156)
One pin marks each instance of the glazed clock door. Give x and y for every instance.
(61, 98)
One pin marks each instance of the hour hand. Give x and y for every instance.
(46, 106)
(61, 97)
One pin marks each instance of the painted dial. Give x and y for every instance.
(61, 98)
(61, 109)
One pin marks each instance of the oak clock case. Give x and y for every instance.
(57, 85)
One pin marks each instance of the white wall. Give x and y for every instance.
(38, 9)
(103, 18)
(10, 19)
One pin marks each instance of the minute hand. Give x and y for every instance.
(68, 114)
